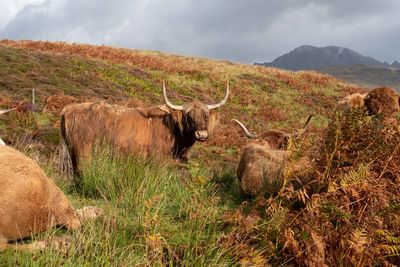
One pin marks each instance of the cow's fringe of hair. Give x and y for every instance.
(65, 163)
(176, 120)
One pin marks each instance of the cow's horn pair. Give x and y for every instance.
(5, 111)
(209, 107)
(296, 134)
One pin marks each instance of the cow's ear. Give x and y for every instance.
(164, 108)
(157, 111)
(213, 120)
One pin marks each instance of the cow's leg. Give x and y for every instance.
(34, 246)
(57, 242)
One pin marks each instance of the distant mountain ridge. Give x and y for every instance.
(342, 63)
(307, 57)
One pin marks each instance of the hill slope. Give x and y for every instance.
(261, 97)
(367, 76)
(161, 213)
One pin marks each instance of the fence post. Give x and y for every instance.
(33, 99)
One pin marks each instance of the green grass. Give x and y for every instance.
(151, 218)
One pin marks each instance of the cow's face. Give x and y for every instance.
(197, 118)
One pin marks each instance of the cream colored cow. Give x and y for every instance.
(30, 202)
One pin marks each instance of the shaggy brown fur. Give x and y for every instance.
(30, 202)
(275, 139)
(353, 101)
(157, 131)
(383, 100)
(261, 165)
(260, 170)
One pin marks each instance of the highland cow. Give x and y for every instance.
(353, 101)
(260, 169)
(261, 165)
(382, 100)
(164, 131)
(31, 203)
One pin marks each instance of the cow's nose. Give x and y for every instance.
(201, 135)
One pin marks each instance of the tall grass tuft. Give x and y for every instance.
(151, 218)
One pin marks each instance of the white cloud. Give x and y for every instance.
(9, 8)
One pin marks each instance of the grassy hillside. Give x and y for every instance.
(368, 76)
(192, 215)
(62, 73)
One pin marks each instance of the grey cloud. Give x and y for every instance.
(244, 31)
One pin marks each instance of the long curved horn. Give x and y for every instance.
(223, 101)
(246, 132)
(5, 111)
(166, 101)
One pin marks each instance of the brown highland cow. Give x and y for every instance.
(353, 101)
(164, 131)
(382, 100)
(260, 168)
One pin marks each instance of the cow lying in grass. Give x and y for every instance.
(382, 100)
(31, 203)
(163, 131)
(260, 168)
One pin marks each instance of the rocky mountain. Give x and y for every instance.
(309, 57)
(395, 64)
(342, 63)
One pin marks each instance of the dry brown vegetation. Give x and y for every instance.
(340, 207)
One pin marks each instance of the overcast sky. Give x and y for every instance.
(245, 31)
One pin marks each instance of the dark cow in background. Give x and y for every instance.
(167, 130)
